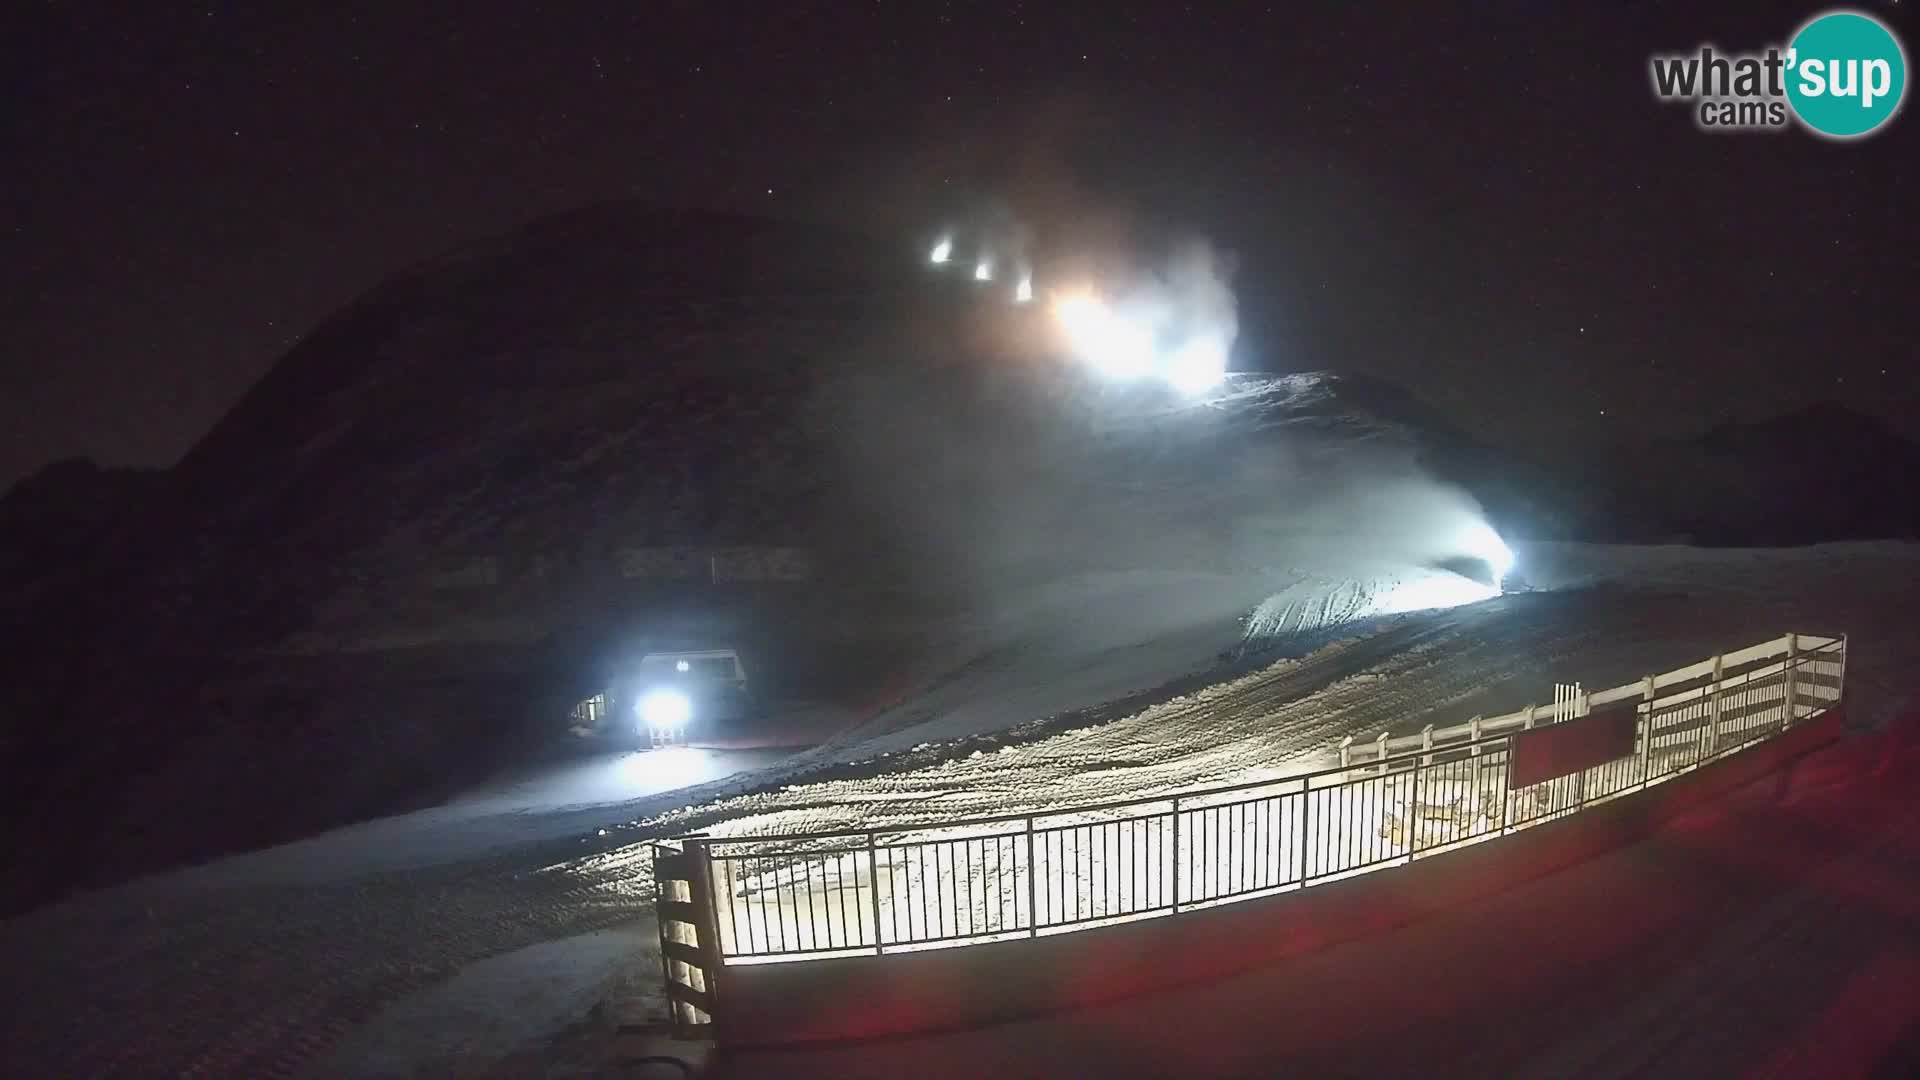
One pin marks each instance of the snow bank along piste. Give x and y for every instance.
(821, 936)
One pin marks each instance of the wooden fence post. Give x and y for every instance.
(692, 1001)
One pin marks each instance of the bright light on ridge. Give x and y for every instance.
(1198, 366)
(1114, 346)
(1482, 542)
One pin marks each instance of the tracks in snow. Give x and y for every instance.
(1282, 718)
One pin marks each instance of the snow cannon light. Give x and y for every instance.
(1483, 543)
(1112, 345)
(1023, 292)
(1079, 314)
(665, 710)
(983, 270)
(1198, 366)
(942, 251)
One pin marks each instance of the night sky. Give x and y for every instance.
(1487, 206)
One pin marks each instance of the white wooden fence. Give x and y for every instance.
(1742, 666)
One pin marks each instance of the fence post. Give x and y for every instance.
(1473, 737)
(1646, 732)
(1506, 793)
(1426, 743)
(1793, 662)
(1527, 717)
(1582, 704)
(1413, 808)
(1713, 709)
(1346, 751)
(1306, 798)
(1177, 861)
(1380, 751)
(873, 875)
(1842, 688)
(707, 923)
(1033, 876)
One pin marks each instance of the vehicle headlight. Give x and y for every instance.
(665, 708)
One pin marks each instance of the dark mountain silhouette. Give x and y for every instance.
(1820, 473)
(51, 520)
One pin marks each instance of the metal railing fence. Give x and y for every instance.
(923, 886)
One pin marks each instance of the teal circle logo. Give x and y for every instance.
(1846, 74)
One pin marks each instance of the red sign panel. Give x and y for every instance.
(1557, 750)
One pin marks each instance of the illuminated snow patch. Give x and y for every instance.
(673, 765)
(1432, 589)
(1316, 603)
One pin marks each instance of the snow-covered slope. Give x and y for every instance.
(245, 969)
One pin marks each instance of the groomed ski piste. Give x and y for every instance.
(459, 936)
